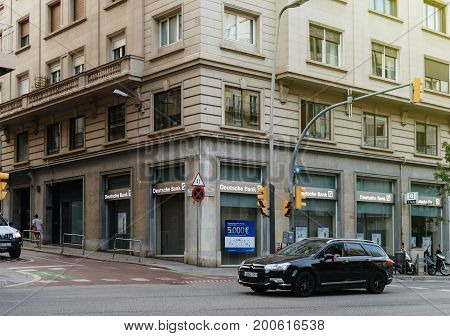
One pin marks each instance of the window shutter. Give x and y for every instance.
(118, 42)
(78, 60)
(316, 32)
(25, 28)
(78, 9)
(332, 36)
(55, 16)
(436, 70)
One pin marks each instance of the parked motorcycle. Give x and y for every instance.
(410, 267)
(430, 264)
(441, 264)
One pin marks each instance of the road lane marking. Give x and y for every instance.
(48, 281)
(35, 277)
(57, 269)
(110, 280)
(30, 270)
(394, 286)
(444, 290)
(139, 279)
(24, 268)
(165, 279)
(81, 280)
(418, 288)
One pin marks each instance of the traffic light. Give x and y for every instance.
(287, 208)
(416, 90)
(4, 177)
(299, 197)
(263, 200)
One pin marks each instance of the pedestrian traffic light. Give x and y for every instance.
(4, 177)
(299, 197)
(263, 200)
(287, 208)
(416, 90)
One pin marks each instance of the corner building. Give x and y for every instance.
(197, 75)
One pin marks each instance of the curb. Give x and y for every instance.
(422, 277)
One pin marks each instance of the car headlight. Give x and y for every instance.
(276, 267)
(17, 235)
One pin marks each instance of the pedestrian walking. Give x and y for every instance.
(38, 228)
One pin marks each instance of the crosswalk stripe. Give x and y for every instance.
(139, 279)
(110, 280)
(444, 290)
(48, 281)
(418, 288)
(57, 269)
(81, 280)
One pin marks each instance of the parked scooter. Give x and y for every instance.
(410, 267)
(441, 264)
(430, 265)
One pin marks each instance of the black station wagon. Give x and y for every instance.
(316, 263)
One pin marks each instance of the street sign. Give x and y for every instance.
(198, 181)
(411, 198)
(198, 194)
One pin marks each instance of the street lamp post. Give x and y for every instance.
(293, 4)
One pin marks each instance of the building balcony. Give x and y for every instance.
(87, 85)
(7, 57)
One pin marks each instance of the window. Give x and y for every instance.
(118, 44)
(375, 131)
(78, 63)
(374, 251)
(433, 17)
(384, 61)
(325, 45)
(116, 122)
(78, 9)
(24, 85)
(22, 147)
(24, 33)
(55, 17)
(76, 133)
(242, 108)
(426, 139)
(355, 250)
(334, 249)
(53, 138)
(321, 129)
(436, 75)
(239, 28)
(388, 7)
(170, 29)
(55, 72)
(167, 109)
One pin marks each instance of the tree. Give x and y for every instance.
(443, 170)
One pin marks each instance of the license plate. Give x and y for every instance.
(251, 274)
(5, 244)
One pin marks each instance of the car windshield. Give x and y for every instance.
(303, 249)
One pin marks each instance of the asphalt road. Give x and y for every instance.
(122, 289)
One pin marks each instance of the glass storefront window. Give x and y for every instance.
(240, 173)
(426, 221)
(118, 182)
(375, 221)
(169, 174)
(316, 219)
(239, 207)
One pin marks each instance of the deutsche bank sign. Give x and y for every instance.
(239, 236)
(411, 197)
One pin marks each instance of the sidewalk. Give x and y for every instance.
(437, 277)
(151, 262)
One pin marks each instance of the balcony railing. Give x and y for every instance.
(130, 67)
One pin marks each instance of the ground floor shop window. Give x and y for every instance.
(317, 219)
(171, 219)
(375, 223)
(239, 217)
(425, 227)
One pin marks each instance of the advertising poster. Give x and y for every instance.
(323, 232)
(301, 233)
(122, 223)
(239, 236)
(376, 238)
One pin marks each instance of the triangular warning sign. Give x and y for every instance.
(198, 181)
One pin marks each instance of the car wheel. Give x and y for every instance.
(305, 284)
(377, 282)
(259, 289)
(15, 253)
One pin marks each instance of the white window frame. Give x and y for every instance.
(178, 33)
(324, 44)
(75, 57)
(383, 62)
(22, 79)
(237, 15)
(373, 6)
(438, 17)
(54, 68)
(123, 48)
